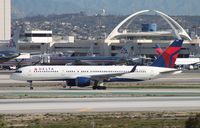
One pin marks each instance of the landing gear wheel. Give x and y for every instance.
(104, 88)
(30, 85)
(31, 88)
(101, 87)
(94, 87)
(98, 86)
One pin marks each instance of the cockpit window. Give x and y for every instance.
(18, 71)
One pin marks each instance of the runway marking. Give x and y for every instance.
(85, 110)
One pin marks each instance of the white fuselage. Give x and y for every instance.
(58, 73)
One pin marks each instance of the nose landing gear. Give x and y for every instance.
(30, 85)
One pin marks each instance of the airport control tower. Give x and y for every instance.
(5, 19)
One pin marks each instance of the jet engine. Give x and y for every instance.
(80, 82)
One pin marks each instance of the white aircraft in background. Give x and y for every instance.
(83, 76)
(186, 63)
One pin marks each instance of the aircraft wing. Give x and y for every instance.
(170, 71)
(107, 76)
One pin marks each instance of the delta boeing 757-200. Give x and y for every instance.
(83, 76)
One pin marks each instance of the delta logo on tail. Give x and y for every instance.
(168, 57)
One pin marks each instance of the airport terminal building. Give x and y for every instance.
(142, 42)
(139, 46)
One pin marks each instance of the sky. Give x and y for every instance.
(117, 7)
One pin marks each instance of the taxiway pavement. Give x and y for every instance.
(115, 104)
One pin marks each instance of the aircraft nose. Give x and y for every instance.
(14, 54)
(17, 54)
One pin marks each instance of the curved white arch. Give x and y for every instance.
(173, 21)
(174, 31)
(168, 19)
(115, 30)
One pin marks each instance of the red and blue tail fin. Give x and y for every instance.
(168, 57)
(159, 50)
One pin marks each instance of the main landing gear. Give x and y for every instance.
(67, 85)
(30, 85)
(98, 86)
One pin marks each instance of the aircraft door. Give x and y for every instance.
(29, 72)
(151, 74)
(63, 72)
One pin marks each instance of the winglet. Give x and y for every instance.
(134, 68)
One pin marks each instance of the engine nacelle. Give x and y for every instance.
(83, 81)
(80, 82)
(191, 67)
